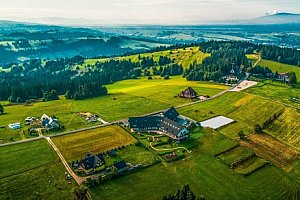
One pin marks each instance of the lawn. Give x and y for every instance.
(76, 146)
(280, 67)
(245, 109)
(26, 169)
(206, 176)
(137, 155)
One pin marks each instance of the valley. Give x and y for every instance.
(235, 161)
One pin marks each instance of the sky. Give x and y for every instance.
(144, 11)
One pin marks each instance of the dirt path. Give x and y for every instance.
(79, 180)
(171, 149)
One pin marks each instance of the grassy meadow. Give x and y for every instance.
(287, 128)
(76, 146)
(206, 176)
(184, 57)
(276, 91)
(125, 98)
(26, 169)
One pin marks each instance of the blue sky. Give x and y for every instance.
(145, 11)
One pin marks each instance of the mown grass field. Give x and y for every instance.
(184, 57)
(206, 176)
(250, 165)
(126, 98)
(26, 169)
(245, 109)
(287, 128)
(280, 67)
(76, 146)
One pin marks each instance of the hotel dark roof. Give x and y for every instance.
(163, 122)
(171, 114)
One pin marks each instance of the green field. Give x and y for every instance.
(245, 109)
(76, 146)
(252, 57)
(250, 165)
(235, 155)
(135, 155)
(126, 98)
(206, 176)
(164, 91)
(276, 91)
(26, 169)
(280, 67)
(184, 57)
(287, 128)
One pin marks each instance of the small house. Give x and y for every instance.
(50, 122)
(93, 161)
(283, 77)
(29, 120)
(121, 166)
(189, 93)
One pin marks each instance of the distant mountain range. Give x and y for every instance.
(278, 18)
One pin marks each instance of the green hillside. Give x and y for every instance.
(279, 67)
(183, 57)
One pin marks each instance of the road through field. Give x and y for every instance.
(79, 180)
(122, 120)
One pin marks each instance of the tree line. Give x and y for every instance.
(282, 55)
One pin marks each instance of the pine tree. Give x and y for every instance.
(1, 109)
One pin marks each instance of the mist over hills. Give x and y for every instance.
(277, 18)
